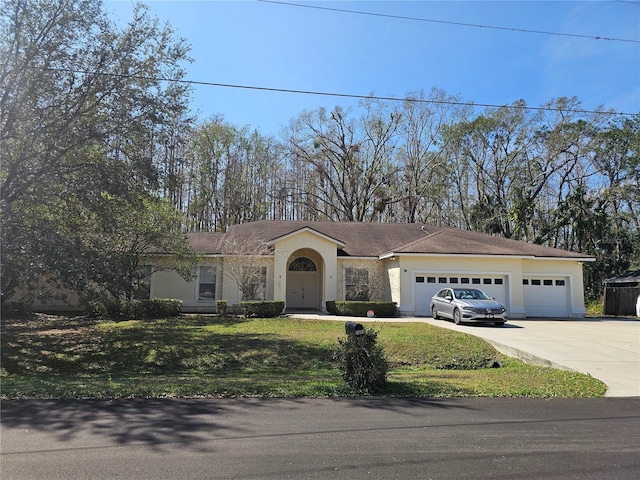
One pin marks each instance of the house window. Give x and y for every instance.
(498, 281)
(464, 280)
(254, 283)
(442, 279)
(356, 286)
(143, 290)
(207, 284)
(486, 281)
(419, 279)
(453, 280)
(525, 281)
(559, 283)
(431, 279)
(535, 282)
(548, 283)
(302, 264)
(475, 281)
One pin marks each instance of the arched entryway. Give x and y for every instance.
(304, 284)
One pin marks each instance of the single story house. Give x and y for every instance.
(308, 263)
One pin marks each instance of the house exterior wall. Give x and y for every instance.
(391, 279)
(514, 269)
(297, 244)
(168, 284)
(229, 273)
(411, 265)
(569, 269)
(46, 297)
(378, 277)
(394, 278)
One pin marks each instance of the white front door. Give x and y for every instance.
(303, 290)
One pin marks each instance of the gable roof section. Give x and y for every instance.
(306, 229)
(360, 239)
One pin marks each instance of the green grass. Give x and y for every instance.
(194, 356)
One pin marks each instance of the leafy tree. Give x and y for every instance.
(617, 159)
(232, 176)
(82, 104)
(489, 152)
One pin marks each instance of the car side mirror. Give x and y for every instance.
(449, 297)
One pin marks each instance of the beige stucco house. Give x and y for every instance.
(308, 263)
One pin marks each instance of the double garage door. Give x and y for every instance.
(427, 285)
(543, 296)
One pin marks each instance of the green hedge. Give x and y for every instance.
(222, 307)
(130, 309)
(360, 309)
(266, 309)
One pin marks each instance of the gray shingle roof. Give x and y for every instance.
(626, 278)
(205, 242)
(376, 239)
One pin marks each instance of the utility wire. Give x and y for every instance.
(327, 94)
(461, 24)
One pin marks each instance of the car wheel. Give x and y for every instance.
(434, 312)
(498, 324)
(457, 318)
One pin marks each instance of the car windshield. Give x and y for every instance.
(470, 294)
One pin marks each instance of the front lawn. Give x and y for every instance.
(190, 356)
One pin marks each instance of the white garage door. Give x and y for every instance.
(426, 285)
(546, 297)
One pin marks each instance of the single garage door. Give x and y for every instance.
(427, 285)
(546, 297)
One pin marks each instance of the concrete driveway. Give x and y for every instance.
(605, 348)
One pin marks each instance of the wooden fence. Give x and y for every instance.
(620, 300)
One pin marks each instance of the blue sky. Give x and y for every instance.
(280, 46)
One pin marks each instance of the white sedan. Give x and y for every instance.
(467, 305)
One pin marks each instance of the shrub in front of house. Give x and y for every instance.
(162, 307)
(360, 309)
(331, 307)
(134, 309)
(262, 309)
(362, 362)
(221, 307)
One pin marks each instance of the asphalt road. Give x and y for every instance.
(488, 438)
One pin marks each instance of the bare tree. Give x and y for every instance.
(245, 260)
(422, 186)
(346, 162)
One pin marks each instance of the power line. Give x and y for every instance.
(445, 22)
(327, 94)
